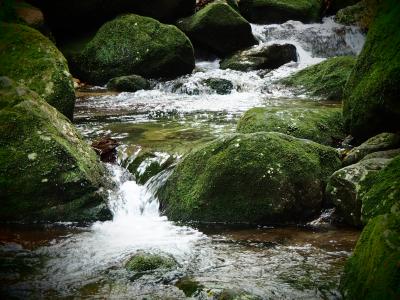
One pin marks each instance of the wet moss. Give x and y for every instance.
(280, 11)
(371, 101)
(130, 83)
(133, 44)
(48, 173)
(188, 286)
(31, 59)
(219, 28)
(144, 262)
(326, 79)
(249, 178)
(323, 125)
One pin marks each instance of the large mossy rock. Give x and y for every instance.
(373, 271)
(324, 80)
(31, 59)
(219, 28)
(371, 102)
(260, 178)
(323, 125)
(264, 57)
(280, 11)
(48, 173)
(381, 142)
(132, 44)
(74, 16)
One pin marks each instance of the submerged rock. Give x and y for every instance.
(323, 125)
(326, 79)
(219, 85)
(133, 44)
(380, 142)
(263, 57)
(131, 83)
(31, 59)
(371, 103)
(219, 28)
(48, 173)
(278, 11)
(261, 178)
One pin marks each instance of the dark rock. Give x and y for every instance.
(219, 85)
(131, 83)
(264, 57)
(106, 148)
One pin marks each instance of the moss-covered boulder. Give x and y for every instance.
(280, 11)
(219, 28)
(343, 189)
(219, 85)
(131, 83)
(373, 271)
(324, 80)
(31, 59)
(380, 142)
(132, 44)
(323, 125)
(48, 173)
(360, 14)
(371, 101)
(260, 178)
(263, 57)
(143, 262)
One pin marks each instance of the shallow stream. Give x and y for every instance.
(68, 261)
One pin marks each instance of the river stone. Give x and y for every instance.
(343, 189)
(388, 154)
(324, 80)
(260, 178)
(380, 142)
(48, 173)
(260, 57)
(32, 60)
(143, 262)
(323, 125)
(133, 44)
(371, 101)
(280, 11)
(219, 85)
(219, 28)
(131, 83)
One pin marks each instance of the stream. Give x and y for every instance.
(67, 261)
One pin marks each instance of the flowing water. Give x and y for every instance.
(68, 261)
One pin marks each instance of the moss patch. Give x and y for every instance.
(32, 60)
(371, 101)
(257, 178)
(144, 262)
(324, 80)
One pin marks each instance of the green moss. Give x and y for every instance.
(380, 192)
(218, 27)
(323, 125)
(133, 44)
(144, 262)
(371, 102)
(326, 79)
(48, 173)
(257, 178)
(32, 60)
(373, 272)
(280, 11)
(130, 83)
(188, 286)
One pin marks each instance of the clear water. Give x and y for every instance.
(174, 117)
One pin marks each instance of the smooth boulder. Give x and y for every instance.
(33, 60)
(323, 125)
(132, 44)
(131, 83)
(371, 102)
(219, 28)
(280, 11)
(48, 173)
(324, 80)
(261, 57)
(260, 178)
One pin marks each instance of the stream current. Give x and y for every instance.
(67, 261)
